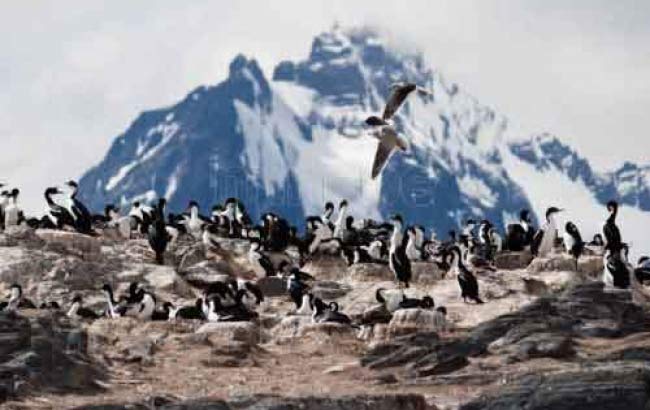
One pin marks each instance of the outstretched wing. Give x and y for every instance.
(397, 97)
(385, 149)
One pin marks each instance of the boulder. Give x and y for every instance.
(188, 256)
(83, 246)
(15, 334)
(290, 327)
(609, 386)
(408, 321)
(400, 350)
(226, 332)
(36, 352)
(326, 267)
(165, 278)
(318, 330)
(555, 262)
(364, 272)
(18, 265)
(204, 273)
(328, 290)
(426, 272)
(589, 266)
(237, 246)
(23, 235)
(272, 286)
(513, 260)
(302, 327)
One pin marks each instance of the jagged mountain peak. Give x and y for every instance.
(297, 140)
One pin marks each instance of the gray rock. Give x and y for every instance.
(225, 332)
(83, 246)
(328, 290)
(364, 272)
(513, 260)
(202, 274)
(272, 286)
(611, 386)
(360, 402)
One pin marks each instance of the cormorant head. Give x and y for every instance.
(329, 206)
(396, 219)
(427, 302)
(570, 227)
(343, 204)
(52, 191)
(524, 215)
(612, 206)
(106, 288)
(77, 298)
(552, 211)
(15, 291)
(255, 245)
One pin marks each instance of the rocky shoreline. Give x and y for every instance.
(547, 337)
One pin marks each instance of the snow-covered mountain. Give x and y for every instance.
(292, 142)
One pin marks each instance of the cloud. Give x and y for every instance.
(75, 73)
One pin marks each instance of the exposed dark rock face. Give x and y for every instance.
(44, 353)
(545, 328)
(611, 386)
(382, 402)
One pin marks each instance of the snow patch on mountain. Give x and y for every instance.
(291, 143)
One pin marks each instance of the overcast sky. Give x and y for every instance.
(75, 73)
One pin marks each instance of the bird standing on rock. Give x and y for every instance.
(398, 262)
(466, 279)
(544, 239)
(157, 234)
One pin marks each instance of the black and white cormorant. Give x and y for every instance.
(520, 235)
(13, 215)
(426, 302)
(57, 216)
(329, 313)
(617, 272)
(544, 239)
(466, 279)
(398, 262)
(191, 312)
(78, 311)
(194, 221)
(613, 240)
(573, 242)
(157, 234)
(341, 219)
(16, 300)
(261, 263)
(82, 218)
(328, 212)
(297, 286)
